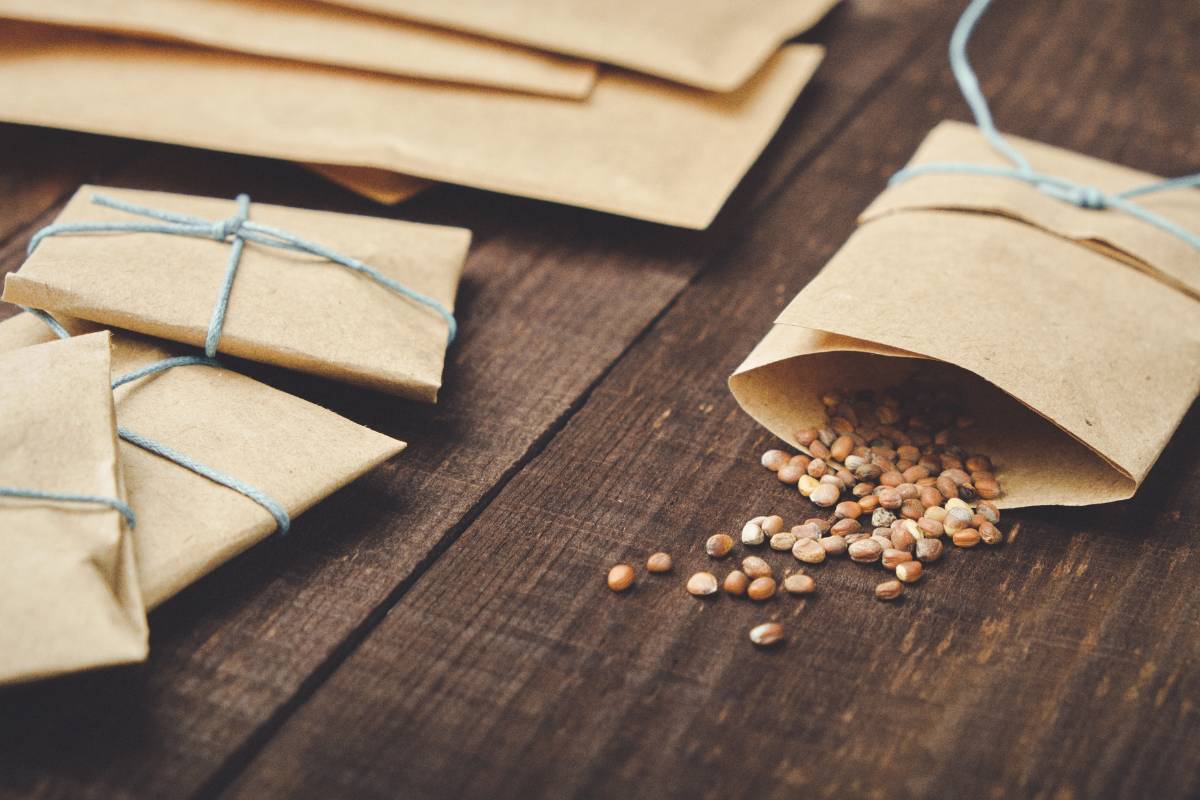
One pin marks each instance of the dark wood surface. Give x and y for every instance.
(441, 628)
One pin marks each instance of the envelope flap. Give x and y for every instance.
(1116, 234)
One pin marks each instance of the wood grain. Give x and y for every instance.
(1063, 665)
(552, 298)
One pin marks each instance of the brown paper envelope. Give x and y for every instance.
(637, 146)
(379, 185)
(71, 597)
(296, 452)
(322, 34)
(1120, 235)
(1078, 367)
(286, 308)
(710, 44)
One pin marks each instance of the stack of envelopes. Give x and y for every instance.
(652, 110)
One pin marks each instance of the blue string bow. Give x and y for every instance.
(240, 229)
(1057, 187)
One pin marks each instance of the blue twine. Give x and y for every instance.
(282, 520)
(1068, 191)
(242, 230)
(60, 497)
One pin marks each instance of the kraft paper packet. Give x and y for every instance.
(287, 308)
(636, 146)
(321, 34)
(710, 44)
(1075, 336)
(295, 451)
(67, 576)
(388, 188)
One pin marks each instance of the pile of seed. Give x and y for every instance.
(888, 466)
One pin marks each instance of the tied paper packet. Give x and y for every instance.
(1076, 346)
(71, 597)
(710, 44)
(322, 34)
(287, 308)
(636, 146)
(296, 452)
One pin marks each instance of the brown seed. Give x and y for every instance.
(892, 478)
(702, 584)
(752, 532)
(841, 447)
(915, 473)
(844, 527)
(809, 551)
(659, 562)
(789, 474)
(807, 485)
(756, 567)
(889, 498)
(799, 584)
(930, 496)
(908, 491)
(767, 634)
(967, 537)
(736, 583)
(806, 531)
(957, 475)
(819, 450)
(825, 495)
(842, 424)
(956, 520)
(620, 577)
(800, 460)
(908, 452)
(979, 463)
(862, 489)
(928, 550)
(783, 541)
(891, 557)
(772, 525)
(719, 545)
(847, 509)
(989, 511)
(946, 487)
(817, 468)
(909, 571)
(833, 545)
(774, 459)
(851, 538)
(988, 489)
(869, 503)
(936, 513)
(761, 589)
(912, 509)
(889, 590)
(989, 533)
(865, 551)
(823, 525)
(903, 540)
(930, 527)
(806, 436)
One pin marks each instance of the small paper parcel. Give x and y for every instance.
(71, 596)
(1075, 333)
(296, 452)
(287, 308)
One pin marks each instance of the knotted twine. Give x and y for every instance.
(1063, 189)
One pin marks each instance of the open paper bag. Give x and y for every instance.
(295, 452)
(1075, 334)
(636, 146)
(318, 33)
(287, 308)
(710, 44)
(67, 577)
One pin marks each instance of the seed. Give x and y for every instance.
(936, 513)
(869, 503)
(783, 541)
(807, 485)
(862, 489)
(892, 478)
(889, 590)
(868, 472)
(990, 533)
(807, 531)
(889, 498)
(833, 480)
(946, 487)
(885, 541)
(826, 437)
(911, 527)
(908, 452)
(842, 424)
(851, 538)
(620, 577)
(978, 463)
(755, 567)
(819, 450)
(799, 584)
(789, 474)
(833, 545)
(930, 496)
(718, 545)
(761, 588)
(767, 634)
(928, 550)
(956, 520)
(967, 537)
(841, 447)
(809, 551)
(659, 562)
(847, 509)
(774, 459)
(853, 462)
(823, 525)
(912, 509)
(702, 584)
(908, 491)
(865, 551)
(930, 527)
(903, 540)
(825, 495)
(989, 511)
(915, 473)
(891, 557)
(736, 583)
(806, 437)
(909, 571)
(800, 460)
(752, 533)
(772, 525)
(817, 468)
(882, 518)
(987, 488)
(846, 526)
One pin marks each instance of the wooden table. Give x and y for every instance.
(442, 629)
